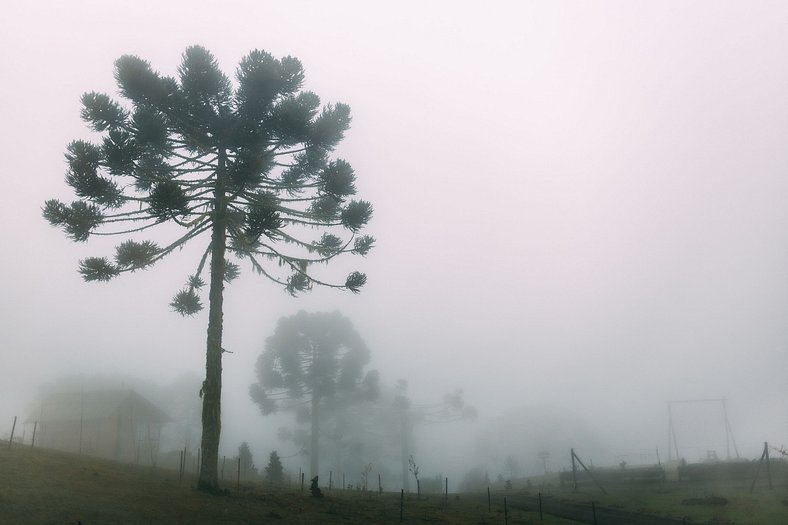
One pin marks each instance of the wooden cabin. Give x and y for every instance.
(115, 424)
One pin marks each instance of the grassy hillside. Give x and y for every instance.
(47, 487)
(724, 502)
(715, 493)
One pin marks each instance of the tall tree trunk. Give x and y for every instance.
(212, 386)
(313, 452)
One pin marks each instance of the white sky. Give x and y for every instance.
(578, 205)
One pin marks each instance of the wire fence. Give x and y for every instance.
(586, 512)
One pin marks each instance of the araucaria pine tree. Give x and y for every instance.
(245, 165)
(313, 364)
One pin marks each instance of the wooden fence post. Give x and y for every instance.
(574, 470)
(764, 457)
(591, 474)
(12, 434)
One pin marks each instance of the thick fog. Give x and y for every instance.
(580, 214)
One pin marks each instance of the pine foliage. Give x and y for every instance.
(189, 149)
(313, 364)
(313, 356)
(274, 472)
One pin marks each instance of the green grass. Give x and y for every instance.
(762, 507)
(48, 487)
(55, 488)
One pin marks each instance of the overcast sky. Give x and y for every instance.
(578, 205)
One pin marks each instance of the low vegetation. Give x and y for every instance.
(48, 487)
(709, 502)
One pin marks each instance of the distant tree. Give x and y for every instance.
(414, 469)
(365, 476)
(544, 455)
(248, 470)
(512, 466)
(178, 400)
(475, 480)
(406, 415)
(274, 472)
(246, 166)
(313, 363)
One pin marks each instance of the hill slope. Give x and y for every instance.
(48, 487)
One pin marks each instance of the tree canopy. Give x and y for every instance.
(246, 165)
(402, 415)
(314, 362)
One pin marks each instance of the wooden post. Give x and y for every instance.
(33, 443)
(198, 461)
(12, 434)
(764, 457)
(489, 501)
(81, 418)
(330, 479)
(401, 503)
(574, 468)
(380, 485)
(343, 481)
(593, 511)
(447, 491)
(238, 478)
(180, 468)
(541, 516)
(505, 512)
(224, 458)
(302, 483)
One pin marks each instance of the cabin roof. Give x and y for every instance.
(96, 405)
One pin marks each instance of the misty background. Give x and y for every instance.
(580, 212)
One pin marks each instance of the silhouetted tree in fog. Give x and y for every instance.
(244, 165)
(274, 472)
(406, 415)
(313, 363)
(475, 480)
(248, 470)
